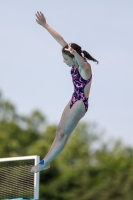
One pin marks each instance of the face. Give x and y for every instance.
(68, 60)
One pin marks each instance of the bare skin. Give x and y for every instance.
(70, 117)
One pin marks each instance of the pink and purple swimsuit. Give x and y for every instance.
(79, 85)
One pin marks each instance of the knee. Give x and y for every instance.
(60, 134)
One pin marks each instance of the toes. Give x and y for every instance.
(39, 168)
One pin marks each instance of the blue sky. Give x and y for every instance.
(32, 72)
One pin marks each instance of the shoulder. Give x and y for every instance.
(86, 70)
(86, 67)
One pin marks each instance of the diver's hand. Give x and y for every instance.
(41, 19)
(70, 49)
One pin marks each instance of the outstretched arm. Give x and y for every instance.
(42, 21)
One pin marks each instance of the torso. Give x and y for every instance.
(86, 74)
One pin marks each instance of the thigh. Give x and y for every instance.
(70, 121)
(63, 116)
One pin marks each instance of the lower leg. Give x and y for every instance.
(57, 146)
(53, 145)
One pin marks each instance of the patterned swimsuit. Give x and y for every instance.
(79, 85)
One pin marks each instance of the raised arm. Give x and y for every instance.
(42, 21)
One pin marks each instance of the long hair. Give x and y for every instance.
(78, 49)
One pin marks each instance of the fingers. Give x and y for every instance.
(67, 49)
(40, 18)
(70, 49)
(39, 15)
(37, 21)
(69, 45)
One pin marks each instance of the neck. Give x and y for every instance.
(75, 64)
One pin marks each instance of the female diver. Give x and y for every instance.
(77, 107)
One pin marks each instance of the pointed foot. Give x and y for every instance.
(39, 167)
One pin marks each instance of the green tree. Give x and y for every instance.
(17, 132)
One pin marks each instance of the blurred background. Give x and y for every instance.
(36, 85)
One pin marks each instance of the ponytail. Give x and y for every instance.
(88, 56)
(79, 51)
